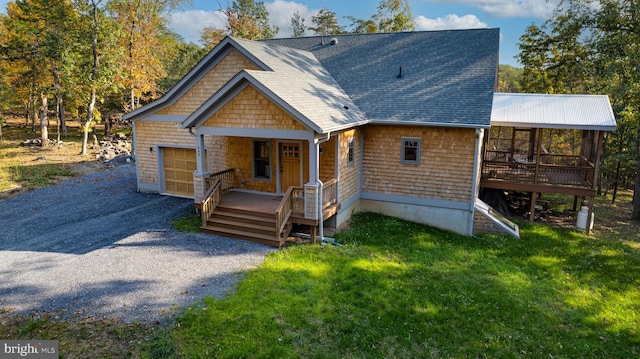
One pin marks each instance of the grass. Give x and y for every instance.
(188, 223)
(25, 168)
(86, 337)
(399, 289)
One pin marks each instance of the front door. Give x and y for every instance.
(290, 160)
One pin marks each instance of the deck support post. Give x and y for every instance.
(532, 216)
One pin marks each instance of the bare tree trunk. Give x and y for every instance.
(108, 125)
(635, 214)
(616, 183)
(63, 122)
(58, 86)
(44, 122)
(94, 75)
(31, 108)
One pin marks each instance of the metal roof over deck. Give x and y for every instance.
(581, 112)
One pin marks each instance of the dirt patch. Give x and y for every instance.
(26, 165)
(86, 168)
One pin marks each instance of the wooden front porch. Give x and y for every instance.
(262, 218)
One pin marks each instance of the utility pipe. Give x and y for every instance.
(476, 172)
(320, 185)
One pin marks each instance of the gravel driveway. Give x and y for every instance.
(93, 246)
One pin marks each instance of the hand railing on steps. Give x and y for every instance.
(284, 210)
(211, 201)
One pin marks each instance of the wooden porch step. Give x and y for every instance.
(244, 212)
(255, 227)
(244, 216)
(249, 225)
(249, 236)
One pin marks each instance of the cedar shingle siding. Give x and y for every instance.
(446, 167)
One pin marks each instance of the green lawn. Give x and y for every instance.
(396, 289)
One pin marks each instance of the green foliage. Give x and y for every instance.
(247, 19)
(297, 25)
(250, 20)
(326, 23)
(183, 58)
(400, 289)
(392, 16)
(509, 78)
(188, 223)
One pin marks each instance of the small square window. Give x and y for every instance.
(410, 151)
(350, 152)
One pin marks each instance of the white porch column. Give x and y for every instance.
(201, 170)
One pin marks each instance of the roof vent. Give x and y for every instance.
(334, 41)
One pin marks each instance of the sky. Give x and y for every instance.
(511, 16)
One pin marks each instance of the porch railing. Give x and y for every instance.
(329, 192)
(211, 201)
(226, 177)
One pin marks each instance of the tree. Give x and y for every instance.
(326, 23)
(593, 48)
(181, 58)
(509, 78)
(247, 19)
(211, 36)
(143, 25)
(297, 25)
(94, 72)
(392, 16)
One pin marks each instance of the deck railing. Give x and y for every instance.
(227, 178)
(298, 199)
(547, 173)
(210, 201)
(329, 192)
(505, 156)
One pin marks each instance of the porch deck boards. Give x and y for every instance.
(250, 202)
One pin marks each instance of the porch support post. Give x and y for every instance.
(201, 168)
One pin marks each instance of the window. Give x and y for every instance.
(262, 160)
(350, 152)
(410, 151)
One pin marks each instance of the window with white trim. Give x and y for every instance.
(410, 153)
(350, 152)
(262, 160)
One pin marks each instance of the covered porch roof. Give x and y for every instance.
(580, 112)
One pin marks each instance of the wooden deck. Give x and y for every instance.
(251, 216)
(543, 178)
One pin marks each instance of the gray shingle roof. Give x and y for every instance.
(448, 77)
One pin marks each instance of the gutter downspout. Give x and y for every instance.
(320, 195)
(476, 172)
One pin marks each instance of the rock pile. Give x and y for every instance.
(112, 147)
(37, 142)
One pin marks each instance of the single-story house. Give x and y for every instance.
(263, 134)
